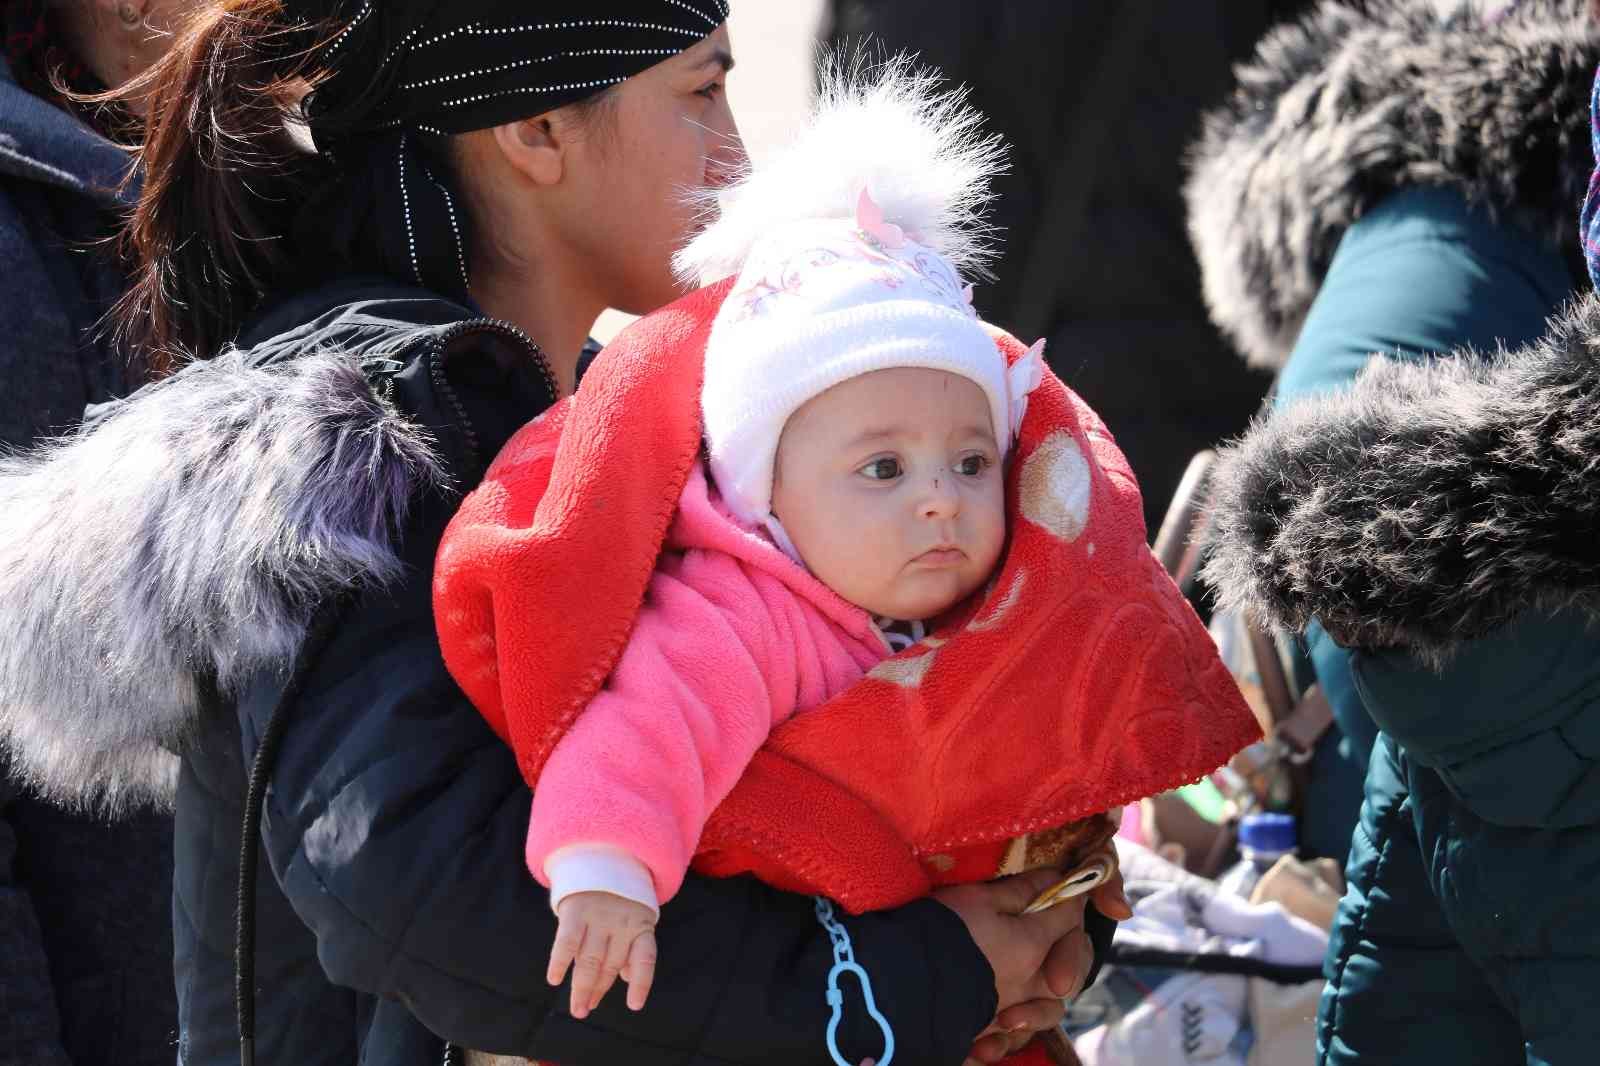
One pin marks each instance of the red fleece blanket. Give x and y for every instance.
(1081, 681)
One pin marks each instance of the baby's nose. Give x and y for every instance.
(941, 500)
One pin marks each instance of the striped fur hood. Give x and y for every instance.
(184, 539)
(1355, 101)
(1429, 504)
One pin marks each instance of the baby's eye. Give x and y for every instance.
(972, 465)
(882, 469)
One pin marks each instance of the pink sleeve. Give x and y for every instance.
(694, 695)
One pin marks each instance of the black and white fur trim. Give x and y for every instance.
(187, 534)
(1429, 504)
(1337, 110)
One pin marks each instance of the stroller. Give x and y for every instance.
(1203, 973)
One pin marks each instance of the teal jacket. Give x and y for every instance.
(1393, 183)
(1439, 516)
(1436, 511)
(1420, 275)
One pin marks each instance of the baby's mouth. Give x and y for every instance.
(941, 557)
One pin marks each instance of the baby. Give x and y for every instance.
(857, 416)
(759, 496)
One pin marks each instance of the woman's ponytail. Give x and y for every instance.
(222, 176)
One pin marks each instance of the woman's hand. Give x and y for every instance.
(1039, 960)
(1072, 958)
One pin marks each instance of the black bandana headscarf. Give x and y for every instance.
(406, 71)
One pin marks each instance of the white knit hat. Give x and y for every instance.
(843, 249)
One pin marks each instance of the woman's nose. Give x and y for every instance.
(728, 159)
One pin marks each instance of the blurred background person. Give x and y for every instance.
(85, 901)
(1399, 184)
(1098, 103)
(1346, 209)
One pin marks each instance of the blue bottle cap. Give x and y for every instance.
(1268, 832)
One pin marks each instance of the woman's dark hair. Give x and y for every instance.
(236, 204)
(222, 178)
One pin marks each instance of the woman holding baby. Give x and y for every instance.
(357, 300)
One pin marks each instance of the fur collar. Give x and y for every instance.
(186, 535)
(1337, 110)
(1429, 504)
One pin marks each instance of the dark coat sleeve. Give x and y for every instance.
(30, 1025)
(396, 823)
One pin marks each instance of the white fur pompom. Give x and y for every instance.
(883, 126)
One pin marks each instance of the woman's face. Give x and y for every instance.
(664, 133)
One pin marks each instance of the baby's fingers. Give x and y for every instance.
(569, 941)
(587, 970)
(640, 971)
(612, 961)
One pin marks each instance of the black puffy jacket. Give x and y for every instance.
(393, 910)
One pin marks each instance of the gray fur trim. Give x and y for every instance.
(1427, 505)
(188, 532)
(1338, 110)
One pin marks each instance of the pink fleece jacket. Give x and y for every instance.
(732, 639)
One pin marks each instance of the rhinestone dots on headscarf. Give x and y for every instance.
(402, 70)
(450, 67)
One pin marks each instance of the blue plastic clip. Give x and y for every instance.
(836, 1001)
(844, 962)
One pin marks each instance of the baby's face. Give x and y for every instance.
(890, 487)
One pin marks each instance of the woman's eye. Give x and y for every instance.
(882, 469)
(972, 465)
(710, 91)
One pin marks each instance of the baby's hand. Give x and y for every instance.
(602, 936)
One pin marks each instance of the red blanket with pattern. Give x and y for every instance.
(1080, 680)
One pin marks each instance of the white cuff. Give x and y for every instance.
(599, 868)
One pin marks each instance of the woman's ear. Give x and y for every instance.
(534, 147)
(130, 13)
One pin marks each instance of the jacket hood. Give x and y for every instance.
(40, 142)
(1338, 110)
(1427, 505)
(184, 539)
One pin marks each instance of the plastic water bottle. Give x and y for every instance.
(1263, 840)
